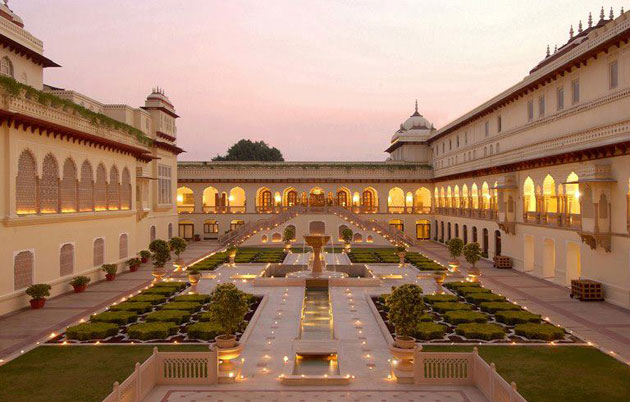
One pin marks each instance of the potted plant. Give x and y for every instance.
(288, 236)
(193, 276)
(178, 246)
(161, 255)
(110, 271)
(472, 254)
(197, 237)
(134, 264)
(145, 255)
(439, 277)
(231, 252)
(346, 236)
(228, 306)
(405, 306)
(79, 283)
(401, 250)
(38, 293)
(455, 248)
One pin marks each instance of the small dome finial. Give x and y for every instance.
(555, 48)
(621, 13)
(416, 105)
(612, 14)
(590, 19)
(601, 13)
(571, 32)
(580, 27)
(548, 53)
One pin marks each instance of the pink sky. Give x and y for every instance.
(320, 80)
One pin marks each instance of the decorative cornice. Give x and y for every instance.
(22, 50)
(168, 147)
(160, 108)
(165, 136)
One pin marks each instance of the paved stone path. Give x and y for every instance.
(21, 330)
(603, 324)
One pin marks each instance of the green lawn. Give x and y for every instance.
(72, 373)
(557, 373)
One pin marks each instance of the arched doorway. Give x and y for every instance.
(497, 242)
(186, 230)
(368, 200)
(442, 231)
(485, 243)
(317, 197)
(343, 197)
(264, 200)
(465, 230)
(449, 232)
(474, 234)
(423, 229)
(236, 223)
(397, 224)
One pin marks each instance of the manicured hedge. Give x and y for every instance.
(484, 297)
(116, 317)
(176, 316)
(545, 332)
(152, 330)
(429, 330)
(516, 317)
(196, 298)
(179, 285)
(426, 317)
(450, 306)
(459, 284)
(480, 331)
(439, 298)
(183, 306)
(467, 290)
(153, 299)
(204, 330)
(461, 317)
(140, 307)
(92, 330)
(165, 291)
(493, 307)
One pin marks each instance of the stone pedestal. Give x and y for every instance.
(316, 242)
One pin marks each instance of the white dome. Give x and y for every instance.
(415, 128)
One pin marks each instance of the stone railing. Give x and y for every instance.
(235, 236)
(390, 233)
(166, 368)
(450, 368)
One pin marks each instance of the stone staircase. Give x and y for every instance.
(234, 237)
(392, 234)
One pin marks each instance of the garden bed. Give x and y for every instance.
(146, 318)
(478, 317)
(244, 255)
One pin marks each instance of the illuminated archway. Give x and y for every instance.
(210, 199)
(236, 200)
(573, 194)
(396, 200)
(549, 195)
(529, 195)
(185, 200)
(422, 201)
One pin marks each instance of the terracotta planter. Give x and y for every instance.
(194, 278)
(110, 277)
(158, 272)
(402, 255)
(405, 342)
(225, 341)
(134, 268)
(144, 260)
(37, 303)
(79, 288)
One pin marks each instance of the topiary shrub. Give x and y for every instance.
(460, 284)
(179, 285)
(176, 316)
(140, 307)
(148, 298)
(205, 330)
(450, 306)
(346, 235)
(493, 307)
(191, 307)
(467, 290)
(516, 317)
(91, 330)
(439, 298)
(161, 252)
(429, 330)
(405, 308)
(177, 245)
(477, 298)
(38, 291)
(472, 253)
(480, 331)
(228, 306)
(544, 332)
(455, 247)
(152, 330)
(116, 317)
(200, 298)
(165, 291)
(461, 317)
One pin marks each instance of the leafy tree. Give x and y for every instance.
(405, 306)
(161, 252)
(228, 306)
(472, 253)
(455, 247)
(346, 235)
(247, 150)
(289, 234)
(177, 245)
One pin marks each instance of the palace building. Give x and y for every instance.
(83, 183)
(539, 173)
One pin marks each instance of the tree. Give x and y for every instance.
(455, 247)
(289, 234)
(346, 235)
(472, 253)
(228, 306)
(161, 252)
(405, 306)
(177, 245)
(247, 150)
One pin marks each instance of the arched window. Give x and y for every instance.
(23, 270)
(49, 186)
(123, 247)
(529, 195)
(292, 198)
(68, 188)
(26, 185)
(550, 203)
(86, 188)
(100, 189)
(6, 67)
(170, 231)
(113, 195)
(153, 233)
(125, 190)
(66, 259)
(99, 252)
(342, 197)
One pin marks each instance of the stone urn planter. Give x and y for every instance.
(454, 265)
(405, 342)
(158, 273)
(225, 341)
(402, 255)
(403, 357)
(194, 277)
(232, 255)
(439, 277)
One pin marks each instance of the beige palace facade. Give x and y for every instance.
(539, 173)
(82, 183)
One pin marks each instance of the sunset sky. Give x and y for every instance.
(320, 80)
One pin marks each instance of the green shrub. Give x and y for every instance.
(109, 269)
(467, 290)
(204, 330)
(176, 316)
(516, 317)
(38, 291)
(143, 298)
(405, 308)
(480, 331)
(161, 252)
(450, 306)
(383, 298)
(177, 245)
(179, 285)
(116, 317)
(461, 317)
(439, 298)
(183, 306)
(91, 330)
(460, 284)
(200, 298)
(228, 307)
(140, 307)
(426, 317)
(165, 291)
(484, 297)
(80, 280)
(493, 307)
(429, 330)
(152, 330)
(545, 332)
